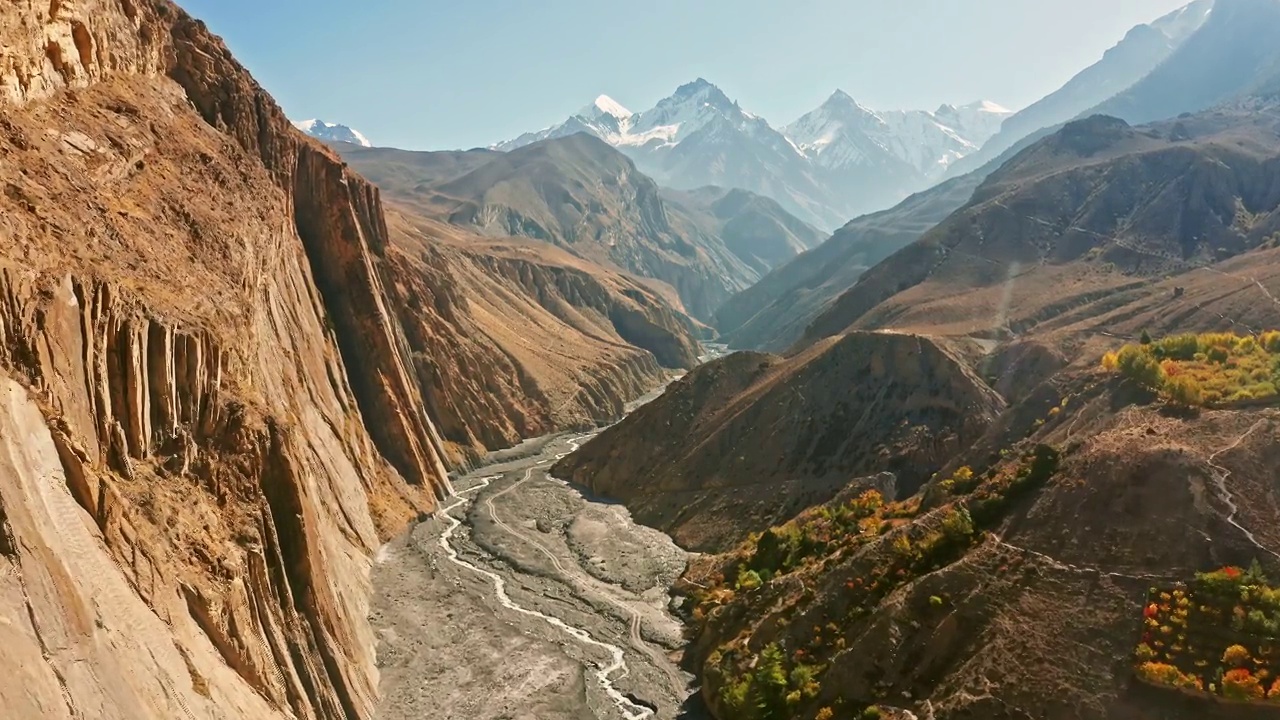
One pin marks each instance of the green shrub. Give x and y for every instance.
(1180, 347)
(1138, 365)
(748, 579)
(1184, 390)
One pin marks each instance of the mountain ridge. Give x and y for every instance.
(699, 136)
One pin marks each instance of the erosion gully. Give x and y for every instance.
(524, 599)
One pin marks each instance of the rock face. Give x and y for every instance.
(208, 389)
(563, 343)
(575, 193)
(749, 441)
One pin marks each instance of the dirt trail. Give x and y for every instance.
(1220, 475)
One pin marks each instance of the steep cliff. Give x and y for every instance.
(203, 383)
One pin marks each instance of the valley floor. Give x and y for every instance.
(581, 584)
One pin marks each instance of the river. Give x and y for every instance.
(525, 600)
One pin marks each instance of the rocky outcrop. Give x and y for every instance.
(751, 440)
(204, 383)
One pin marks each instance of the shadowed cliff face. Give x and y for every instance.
(203, 383)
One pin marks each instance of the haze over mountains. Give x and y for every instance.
(1137, 80)
(581, 195)
(834, 162)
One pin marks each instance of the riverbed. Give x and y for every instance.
(525, 600)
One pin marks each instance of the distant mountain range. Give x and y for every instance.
(1188, 61)
(585, 197)
(833, 163)
(322, 130)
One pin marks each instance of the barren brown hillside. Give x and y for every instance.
(1023, 578)
(1089, 219)
(563, 343)
(580, 195)
(748, 441)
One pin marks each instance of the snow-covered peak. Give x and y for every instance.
(689, 109)
(322, 130)
(976, 122)
(843, 133)
(607, 106)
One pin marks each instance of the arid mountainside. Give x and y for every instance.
(1097, 210)
(1233, 53)
(209, 420)
(583, 196)
(1023, 579)
(1187, 61)
(563, 343)
(772, 314)
(750, 440)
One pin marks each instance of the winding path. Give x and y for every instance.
(604, 675)
(1220, 476)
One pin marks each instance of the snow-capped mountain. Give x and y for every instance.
(322, 130)
(843, 134)
(605, 118)
(834, 163)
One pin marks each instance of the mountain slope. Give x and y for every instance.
(750, 440)
(753, 227)
(564, 344)
(1232, 54)
(226, 377)
(1017, 583)
(909, 148)
(1141, 50)
(1090, 210)
(576, 193)
(778, 304)
(325, 132)
(772, 314)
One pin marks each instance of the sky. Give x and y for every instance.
(430, 74)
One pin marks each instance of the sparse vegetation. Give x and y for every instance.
(772, 689)
(1203, 370)
(752, 686)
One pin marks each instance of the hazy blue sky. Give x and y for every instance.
(433, 74)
